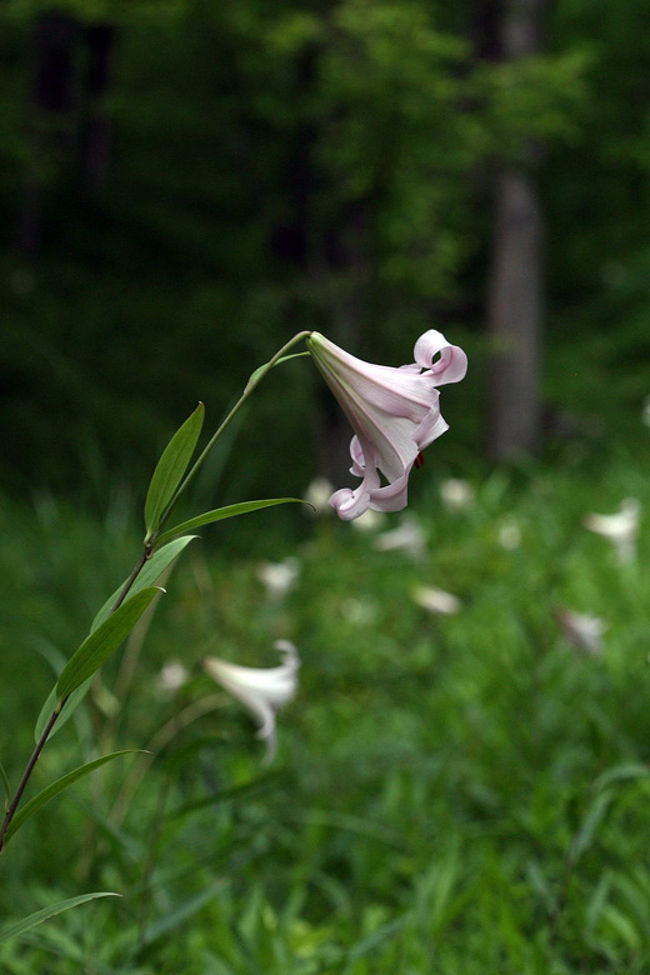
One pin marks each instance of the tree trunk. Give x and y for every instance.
(515, 294)
(56, 37)
(515, 317)
(100, 43)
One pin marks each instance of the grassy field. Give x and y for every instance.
(453, 794)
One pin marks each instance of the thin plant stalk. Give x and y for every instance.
(147, 552)
(252, 383)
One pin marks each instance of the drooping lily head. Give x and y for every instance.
(263, 690)
(394, 413)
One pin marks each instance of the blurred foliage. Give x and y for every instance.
(271, 168)
(470, 789)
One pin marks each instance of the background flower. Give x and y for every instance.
(262, 690)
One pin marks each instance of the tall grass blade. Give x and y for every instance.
(54, 788)
(17, 928)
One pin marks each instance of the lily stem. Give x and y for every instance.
(47, 730)
(29, 768)
(253, 381)
(149, 545)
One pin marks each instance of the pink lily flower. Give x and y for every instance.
(394, 414)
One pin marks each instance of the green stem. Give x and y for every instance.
(253, 381)
(47, 730)
(29, 768)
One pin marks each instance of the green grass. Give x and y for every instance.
(452, 795)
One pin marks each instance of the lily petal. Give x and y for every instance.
(394, 413)
(263, 690)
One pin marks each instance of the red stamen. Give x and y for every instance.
(419, 461)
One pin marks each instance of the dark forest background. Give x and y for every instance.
(187, 184)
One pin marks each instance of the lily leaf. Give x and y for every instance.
(54, 788)
(171, 467)
(16, 928)
(5, 784)
(69, 708)
(151, 572)
(229, 511)
(149, 575)
(99, 645)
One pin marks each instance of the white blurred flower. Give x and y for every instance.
(436, 600)
(645, 412)
(409, 537)
(318, 495)
(360, 612)
(583, 631)
(172, 677)
(263, 690)
(456, 494)
(279, 577)
(509, 534)
(621, 528)
(369, 521)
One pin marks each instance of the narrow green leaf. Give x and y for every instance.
(229, 511)
(54, 788)
(5, 783)
(590, 825)
(181, 913)
(16, 928)
(150, 574)
(263, 781)
(104, 641)
(69, 708)
(171, 467)
(619, 773)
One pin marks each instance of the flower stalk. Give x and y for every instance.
(148, 549)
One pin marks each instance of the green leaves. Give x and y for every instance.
(16, 928)
(147, 577)
(171, 468)
(54, 788)
(218, 514)
(49, 707)
(152, 570)
(100, 644)
(6, 788)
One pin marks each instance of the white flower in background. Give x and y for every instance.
(408, 537)
(509, 534)
(645, 412)
(279, 577)
(369, 521)
(436, 600)
(172, 677)
(583, 631)
(456, 494)
(621, 528)
(394, 414)
(263, 690)
(318, 495)
(360, 612)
